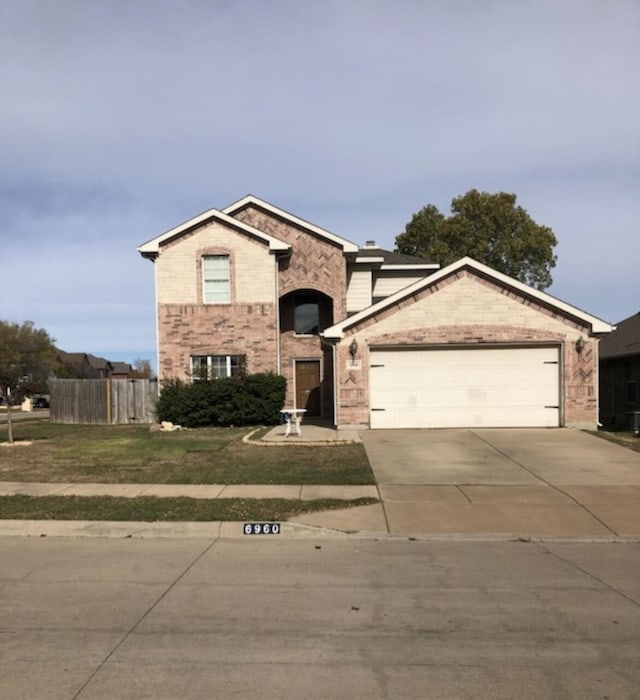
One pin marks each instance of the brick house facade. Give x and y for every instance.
(256, 287)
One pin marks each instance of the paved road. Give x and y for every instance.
(18, 415)
(265, 618)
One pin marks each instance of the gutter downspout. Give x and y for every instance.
(277, 313)
(334, 356)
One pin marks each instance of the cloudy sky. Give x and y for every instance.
(120, 119)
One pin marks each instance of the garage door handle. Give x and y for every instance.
(378, 409)
(376, 365)
(552, 406)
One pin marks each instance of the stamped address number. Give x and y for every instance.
(262, 528)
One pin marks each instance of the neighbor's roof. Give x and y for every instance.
(597, 325)
(252, 200)
(625, 339)
(151, 248)
(97, 362)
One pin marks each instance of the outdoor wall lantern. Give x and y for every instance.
(580, 344)
(353, 348)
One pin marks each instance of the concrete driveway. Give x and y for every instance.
(524, 482)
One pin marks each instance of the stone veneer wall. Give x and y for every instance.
(482, 312)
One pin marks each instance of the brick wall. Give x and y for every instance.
(465, 309)
(245, 326)
(314, 264)
(230, 329)
(178, 277)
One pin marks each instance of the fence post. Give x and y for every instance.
(109, 416)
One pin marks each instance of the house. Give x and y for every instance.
(620, 376)
(83, 365)
(367, 337)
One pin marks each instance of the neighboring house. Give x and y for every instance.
(82, 365)
(120, 370)
(620, 375)
(72, 364)
(364, 336)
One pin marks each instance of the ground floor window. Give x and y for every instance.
(216, 366)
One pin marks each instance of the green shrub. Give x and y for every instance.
(255, 399)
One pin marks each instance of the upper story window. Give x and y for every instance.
(306, 315)
(216, 279)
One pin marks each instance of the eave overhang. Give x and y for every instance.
(151, 249)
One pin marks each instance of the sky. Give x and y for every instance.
(121, 119)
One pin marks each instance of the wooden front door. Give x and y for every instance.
(308, 386)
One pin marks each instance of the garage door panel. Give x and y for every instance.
(488, 387)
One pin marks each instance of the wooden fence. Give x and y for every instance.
(103, 401)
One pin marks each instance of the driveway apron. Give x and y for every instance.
(535, 482)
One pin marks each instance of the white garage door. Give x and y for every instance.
(460, 388)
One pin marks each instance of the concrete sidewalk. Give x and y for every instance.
(307, 492)
(359, 519)
(314, 433)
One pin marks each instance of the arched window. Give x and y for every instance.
(306, 314)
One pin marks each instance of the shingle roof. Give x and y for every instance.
(391, 257)
(625, 340)
(97, 362)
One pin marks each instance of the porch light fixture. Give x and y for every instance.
(580, 344)
(353, 348)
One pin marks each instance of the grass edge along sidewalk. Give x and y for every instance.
(156, 509)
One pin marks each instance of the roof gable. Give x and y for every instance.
(597, 325)
(151, 248)
(251, 200)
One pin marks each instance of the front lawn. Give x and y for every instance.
(133, 454)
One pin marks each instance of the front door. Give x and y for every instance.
(308, 386)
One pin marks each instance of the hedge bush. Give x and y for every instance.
(255, 399)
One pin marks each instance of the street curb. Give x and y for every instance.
(235, 530)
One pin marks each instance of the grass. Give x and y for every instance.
(151, 509)
(133, 454)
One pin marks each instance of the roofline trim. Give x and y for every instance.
(151, 248)
(597, 325)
